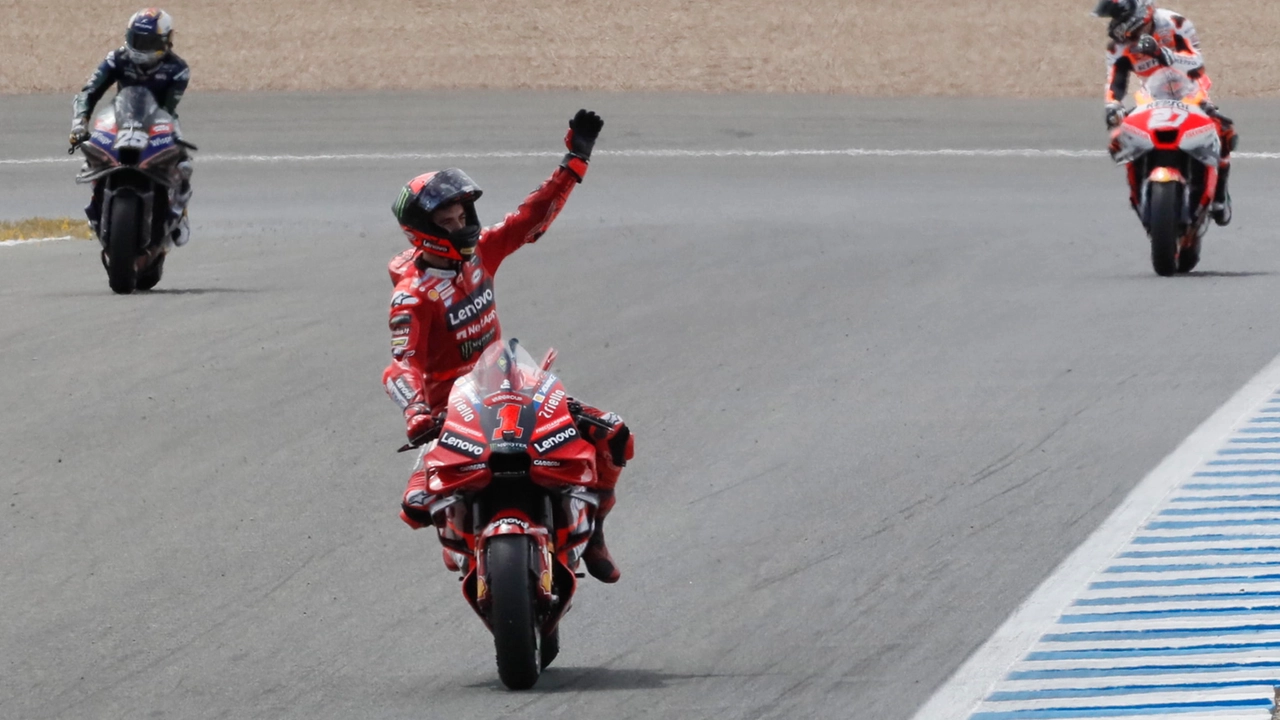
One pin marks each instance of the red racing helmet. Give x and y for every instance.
(426, 194)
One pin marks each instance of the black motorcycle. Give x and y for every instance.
(140, 171)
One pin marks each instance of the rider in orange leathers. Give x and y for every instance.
(443, 315)
(1145, 39)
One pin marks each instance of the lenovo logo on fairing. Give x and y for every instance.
(462, 445)
(551, 442)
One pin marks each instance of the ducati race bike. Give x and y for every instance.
(1172, 150)
(512, 476)
(134, 159)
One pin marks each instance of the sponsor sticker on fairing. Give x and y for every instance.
(557, 423)
(551, 441)
(464, 410)
(549, 407)
(473, 467)
(459, 444)
(507, 397)
(463, 430)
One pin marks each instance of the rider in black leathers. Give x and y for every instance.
(146, 59)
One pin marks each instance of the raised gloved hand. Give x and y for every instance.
(79, 131)
(1115, 114)
(420, 426)
(584, 128)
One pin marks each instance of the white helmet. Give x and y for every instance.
(149, 36)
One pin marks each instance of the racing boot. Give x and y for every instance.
(415, 507)
(93, 211)
(614, 447)
(1221, 209)
(181, 233)
(597, 558)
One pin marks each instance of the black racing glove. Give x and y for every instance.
(1148, 46)
(584, 128)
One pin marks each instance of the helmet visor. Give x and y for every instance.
(144, 42)
(447, 186)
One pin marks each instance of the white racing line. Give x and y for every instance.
(1029, 153)
(1171, 608)
(12, 243)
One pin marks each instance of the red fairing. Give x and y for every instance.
(559, 456)
(1168, 127)
(441, 321)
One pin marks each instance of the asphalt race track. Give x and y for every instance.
(877, 400)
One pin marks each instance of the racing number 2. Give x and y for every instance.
(510, 416)
(1167, 117)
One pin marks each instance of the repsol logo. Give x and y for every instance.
(464, 410)
(470, 307)
(461, 444)
(548, 443)
(553, 402)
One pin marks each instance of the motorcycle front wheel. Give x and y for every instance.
(512, 617)
(1165, 226)
(122, 243)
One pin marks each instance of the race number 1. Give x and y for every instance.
(510, 416)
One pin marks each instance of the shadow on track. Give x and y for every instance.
(586, 679)
(156, 291)
(193, 291)
(1228, 273)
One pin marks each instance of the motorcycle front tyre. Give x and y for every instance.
(1165, 227)
(122, 243)
(512, 616)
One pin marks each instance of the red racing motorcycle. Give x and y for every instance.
(1171, 147)
(514, 474)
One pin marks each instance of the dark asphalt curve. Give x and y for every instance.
(876, 400)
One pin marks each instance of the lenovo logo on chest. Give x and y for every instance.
(470, 307)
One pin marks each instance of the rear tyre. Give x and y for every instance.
(550, 647)
(1164, 226)
(150, 277)
(122, 243)
(512, 616)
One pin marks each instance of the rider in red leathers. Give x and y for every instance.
(443, 315)
(1145, 39)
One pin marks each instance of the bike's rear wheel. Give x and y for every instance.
(512, 616)
(1165, 226)
(123, 234)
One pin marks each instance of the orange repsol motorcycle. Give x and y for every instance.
(1172, 150)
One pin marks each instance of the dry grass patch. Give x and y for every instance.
(1011, 48)
(39, 228)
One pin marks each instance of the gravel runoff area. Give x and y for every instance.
(1009, 48)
